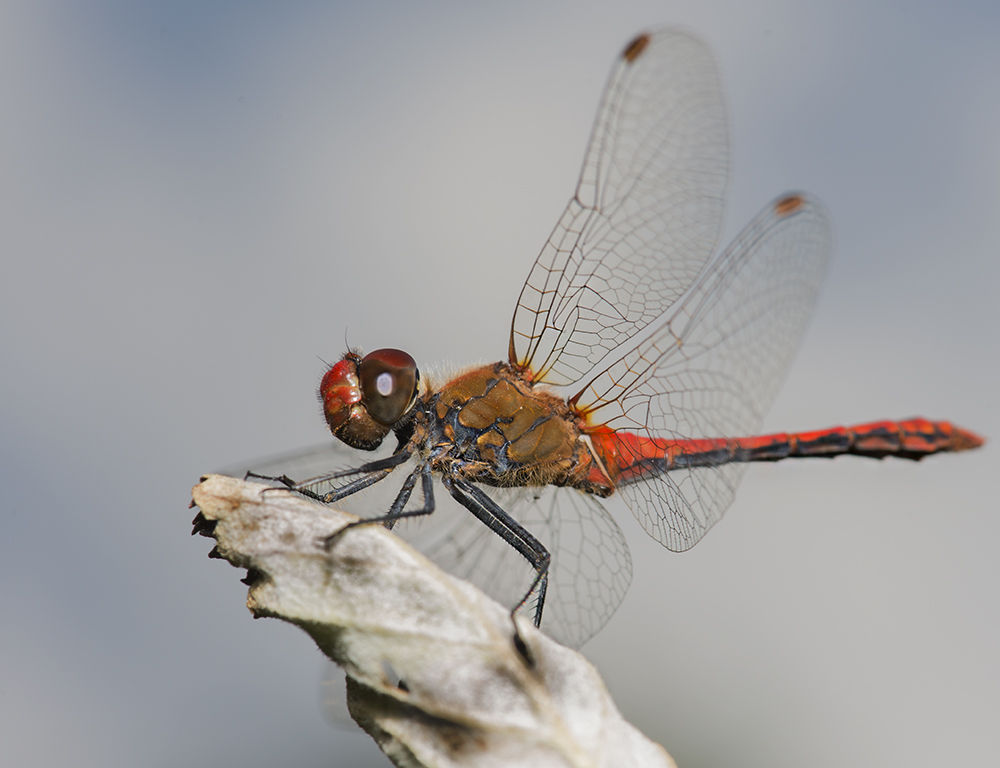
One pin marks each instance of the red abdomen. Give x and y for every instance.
(629, 456)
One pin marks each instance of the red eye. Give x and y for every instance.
(388, 379)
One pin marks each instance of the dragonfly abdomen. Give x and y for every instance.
(911, 439)
(631, 457)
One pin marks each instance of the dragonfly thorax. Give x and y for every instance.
(502, 431)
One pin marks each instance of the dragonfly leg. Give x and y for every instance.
(324, 498)
(517, 536)
(285, 480)
(389, 462)
(373, 472)
(351, 488)
(396, 511)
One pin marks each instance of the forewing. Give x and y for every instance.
(713, 369)
(646, 216)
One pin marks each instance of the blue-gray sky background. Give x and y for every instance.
(198, 201)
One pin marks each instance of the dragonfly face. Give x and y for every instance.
(363, 397)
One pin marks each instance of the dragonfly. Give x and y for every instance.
(638, 366)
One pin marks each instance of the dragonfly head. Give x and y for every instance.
(363, 397)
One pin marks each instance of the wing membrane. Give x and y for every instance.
(591, 566)
(714, 367)
(646, 216)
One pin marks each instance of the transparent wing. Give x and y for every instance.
(591, 566)
(714, 367)
(646, 217)
(590, 570)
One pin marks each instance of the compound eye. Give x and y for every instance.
(388, 380)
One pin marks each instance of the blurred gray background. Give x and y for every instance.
(198, 203)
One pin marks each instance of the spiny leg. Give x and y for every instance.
(517, 536)
(396, 511)
(373, 472)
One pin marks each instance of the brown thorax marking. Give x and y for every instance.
(507, 433)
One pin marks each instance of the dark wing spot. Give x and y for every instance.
(786, 206)
(635, 48)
